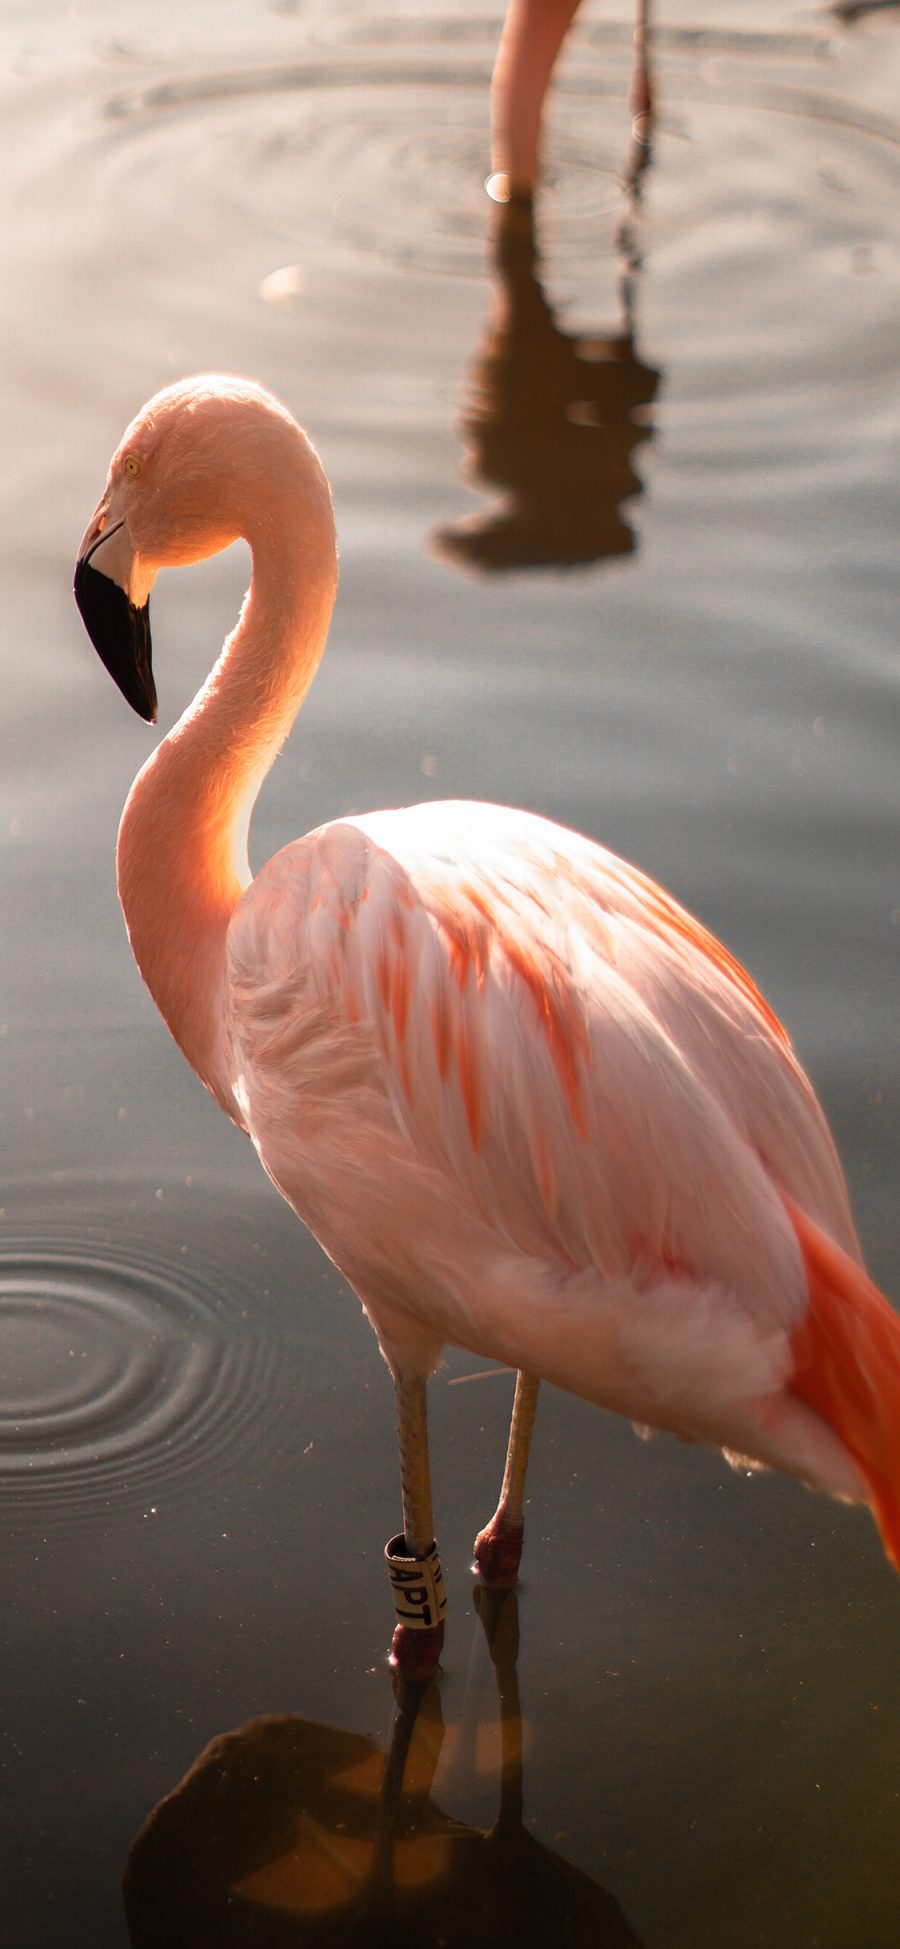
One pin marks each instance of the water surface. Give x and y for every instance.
(196, 1445)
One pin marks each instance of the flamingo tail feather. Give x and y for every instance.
(847, 1368)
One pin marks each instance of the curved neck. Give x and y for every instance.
(182, 850)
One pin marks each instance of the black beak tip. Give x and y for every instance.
(120, 633)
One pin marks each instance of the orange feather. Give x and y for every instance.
(847, 1367)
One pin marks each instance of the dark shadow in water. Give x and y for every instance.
(552, 418)
(852, 10)
(290, 1832)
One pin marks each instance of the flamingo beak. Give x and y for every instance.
(118, 627)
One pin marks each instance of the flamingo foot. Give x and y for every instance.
(415, 1654)
(498, 1551)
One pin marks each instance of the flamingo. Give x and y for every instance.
(527, 1104)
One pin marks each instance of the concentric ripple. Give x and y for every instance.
(384, 150)
(377, 139)
(120, 1376)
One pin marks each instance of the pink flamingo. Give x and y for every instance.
(527, 1104)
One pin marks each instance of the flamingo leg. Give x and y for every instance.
(498, 1547)
(411, 1400)
(532, 36)
(413, 1563)
(640, 94)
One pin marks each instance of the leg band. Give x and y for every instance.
(418, 1585)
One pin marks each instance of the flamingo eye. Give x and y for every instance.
(131, 464)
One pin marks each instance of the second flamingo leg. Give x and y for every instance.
(532, 36)
(640, 94)
(498, 1547)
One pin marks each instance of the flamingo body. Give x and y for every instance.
(526, 1103)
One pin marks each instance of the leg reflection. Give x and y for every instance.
(290, 1832)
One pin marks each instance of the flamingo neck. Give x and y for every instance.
(182, 851)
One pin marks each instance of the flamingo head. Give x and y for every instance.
(193, 471)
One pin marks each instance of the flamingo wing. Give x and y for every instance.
(540, 1010)
(528, 1105)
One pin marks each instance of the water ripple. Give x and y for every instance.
(120, 1376)
(438, 63)
(383, 148)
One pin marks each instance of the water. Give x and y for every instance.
(196, 1446)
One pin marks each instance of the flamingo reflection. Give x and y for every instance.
(288, 1832)
(553, 419)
